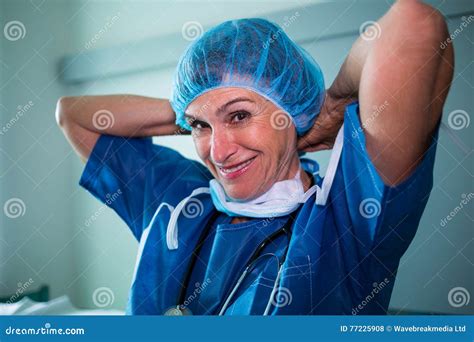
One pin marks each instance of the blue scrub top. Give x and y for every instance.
(342, 257)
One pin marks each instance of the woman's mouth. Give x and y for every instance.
(236, 170)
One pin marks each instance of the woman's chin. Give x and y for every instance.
(240, 194)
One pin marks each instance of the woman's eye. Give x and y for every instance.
(240, 116)
(196, 124)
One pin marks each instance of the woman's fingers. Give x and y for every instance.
(324, 131)
(306, 144)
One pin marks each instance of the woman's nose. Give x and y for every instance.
(222, 146)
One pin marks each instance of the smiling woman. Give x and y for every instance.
(257, 223)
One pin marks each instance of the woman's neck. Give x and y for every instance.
(305, 179)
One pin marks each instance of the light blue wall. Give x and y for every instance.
(53, 244)
(3, 243)
(34, 159)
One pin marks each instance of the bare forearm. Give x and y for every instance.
(83, 119)
(122, 115)
(346, 83)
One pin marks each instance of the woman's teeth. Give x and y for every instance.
(236, 168)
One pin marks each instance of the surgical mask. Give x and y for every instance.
(281, 199)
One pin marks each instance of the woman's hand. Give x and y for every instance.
(323, 133)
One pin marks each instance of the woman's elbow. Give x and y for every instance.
(425, 23)
(62, 110)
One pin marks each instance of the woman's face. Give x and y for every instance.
(246, 141)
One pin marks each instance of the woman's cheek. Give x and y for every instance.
(202, 146)
(259, 129)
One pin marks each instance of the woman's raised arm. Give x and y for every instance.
(403, 69)
(84, 118)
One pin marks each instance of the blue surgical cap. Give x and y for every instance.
(254, 54)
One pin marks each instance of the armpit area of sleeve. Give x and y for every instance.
(383, 216)
(95, 164)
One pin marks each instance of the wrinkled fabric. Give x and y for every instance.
(255, 54)
(342, 257)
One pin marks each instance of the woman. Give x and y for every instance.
(256, 230)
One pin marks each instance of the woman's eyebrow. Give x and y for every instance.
(222, 108)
